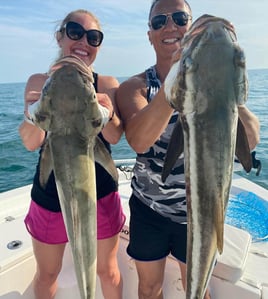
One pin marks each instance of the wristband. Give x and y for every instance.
(32, 109)
(29, 115)
(105, 114)
(170, 81)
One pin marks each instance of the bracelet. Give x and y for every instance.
(111, 118)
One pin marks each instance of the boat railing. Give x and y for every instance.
(126, 167)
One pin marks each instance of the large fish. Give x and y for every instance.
(206, 85)
(68, 111)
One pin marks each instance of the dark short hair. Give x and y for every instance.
(154, 2)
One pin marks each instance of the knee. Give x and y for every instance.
(109, 275)
(207, 294)
(150, 291)
(46, 276)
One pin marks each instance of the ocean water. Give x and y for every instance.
(17, 165)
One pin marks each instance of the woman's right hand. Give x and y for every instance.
(32, 136)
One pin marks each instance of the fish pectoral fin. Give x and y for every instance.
(174, 150)
(104, 158)
(242, 150)
(46, 166)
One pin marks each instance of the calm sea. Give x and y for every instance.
(17, 165)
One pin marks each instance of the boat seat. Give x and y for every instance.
(264, 292)
(15, 246)
(231, 264)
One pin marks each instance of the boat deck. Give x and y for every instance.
(241, 272)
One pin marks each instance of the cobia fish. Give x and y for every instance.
(68, 110)
(206, 86)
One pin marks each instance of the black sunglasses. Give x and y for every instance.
(75, 32)
(180, 18)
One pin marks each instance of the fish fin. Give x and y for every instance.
(174, 150)
(45, 164)
(104, 158)
(220, 228)
(242, 150)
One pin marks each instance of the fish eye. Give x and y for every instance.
(96, 123)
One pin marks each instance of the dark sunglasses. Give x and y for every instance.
(75, 32)
(180, 18)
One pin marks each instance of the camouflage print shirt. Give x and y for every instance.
(168, 199)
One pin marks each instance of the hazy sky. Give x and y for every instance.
(28, 46)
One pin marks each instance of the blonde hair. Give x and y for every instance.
(60, 32)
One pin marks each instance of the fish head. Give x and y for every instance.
(69, 103)
(209, 42)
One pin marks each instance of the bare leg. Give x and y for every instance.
(49, 262)
(107, 268)
(151, 277)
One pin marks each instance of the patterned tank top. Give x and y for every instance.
(167, 199)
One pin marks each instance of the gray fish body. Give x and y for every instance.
(206, 86)
(68, 110)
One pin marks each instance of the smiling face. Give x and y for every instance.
(166, 40)
(80, 47)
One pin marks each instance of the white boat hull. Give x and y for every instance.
(239, 273)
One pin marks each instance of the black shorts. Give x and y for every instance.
(153, 236)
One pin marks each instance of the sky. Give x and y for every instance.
(28, 45)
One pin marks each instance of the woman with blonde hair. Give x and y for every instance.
(80, 35)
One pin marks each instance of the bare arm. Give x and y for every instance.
(251, 124)
(32, 136)
(143, 122)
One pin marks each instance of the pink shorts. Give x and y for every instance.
(48, 227)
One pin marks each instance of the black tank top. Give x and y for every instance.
(48, 197)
